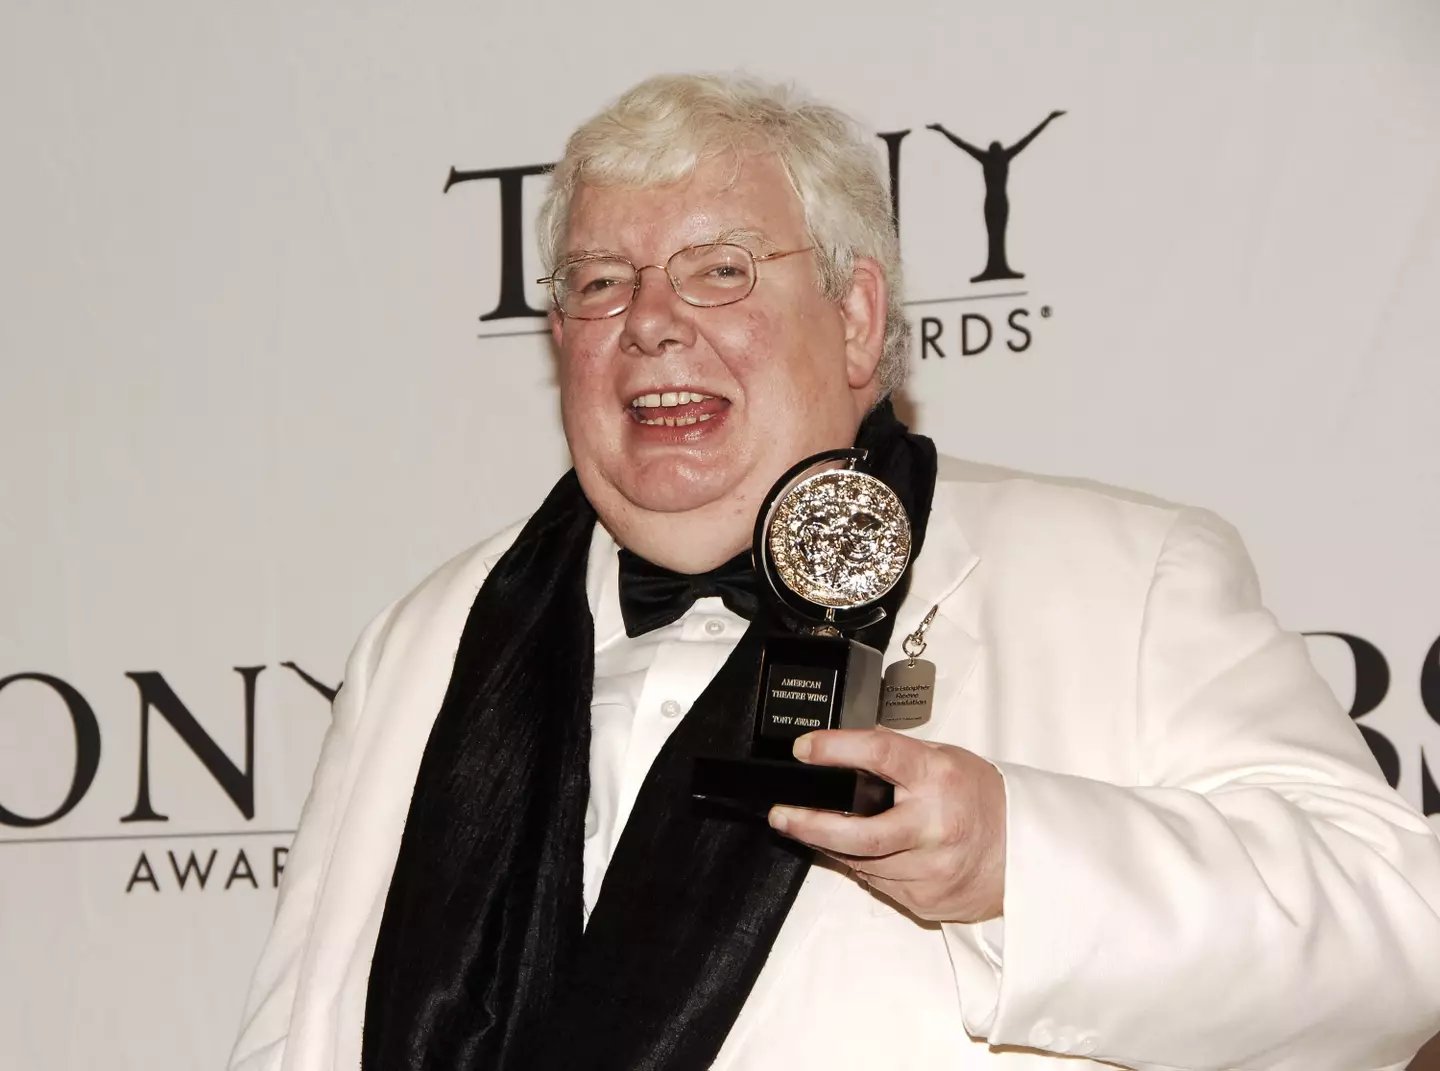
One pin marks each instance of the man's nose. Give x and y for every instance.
(657, 317)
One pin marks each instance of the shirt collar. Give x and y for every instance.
(602, 587)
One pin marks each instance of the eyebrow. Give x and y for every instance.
(737, 235)
(590, 254)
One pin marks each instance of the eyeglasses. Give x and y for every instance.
(706, 275)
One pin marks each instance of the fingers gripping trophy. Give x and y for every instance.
(830, 542)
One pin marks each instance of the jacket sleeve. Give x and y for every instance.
(266, 1022)
(1260, 898)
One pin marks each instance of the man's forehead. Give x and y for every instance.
(720, 200)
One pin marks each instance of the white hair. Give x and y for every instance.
(658, 131)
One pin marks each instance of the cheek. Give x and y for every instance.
(582, 368)
(756, 346)
(786, 363)
(580, 405)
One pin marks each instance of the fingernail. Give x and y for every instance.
(778, 820)
(801, 750)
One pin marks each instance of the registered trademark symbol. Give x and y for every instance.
(1045, 312)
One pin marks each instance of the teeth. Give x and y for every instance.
(676, 422)
(668, 398)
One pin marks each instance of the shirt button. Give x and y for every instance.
(670, 708)
(592, 822)
(1043, 1036)
(714, 626)
(1086, 1044)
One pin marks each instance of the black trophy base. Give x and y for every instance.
(756, 785)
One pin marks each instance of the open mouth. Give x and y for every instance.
(675, 408)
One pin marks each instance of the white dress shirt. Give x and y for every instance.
(643, 688)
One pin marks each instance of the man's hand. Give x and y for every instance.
(940, 851)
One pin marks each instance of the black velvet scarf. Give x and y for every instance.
(482, 960)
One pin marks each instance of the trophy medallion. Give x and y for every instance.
(830, 542)
(839, 539)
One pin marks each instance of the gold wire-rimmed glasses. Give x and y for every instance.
(598, 286)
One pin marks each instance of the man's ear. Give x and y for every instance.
(863, 312)
(557, 326)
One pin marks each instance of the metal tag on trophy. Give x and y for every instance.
(830, 542)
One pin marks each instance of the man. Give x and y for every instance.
(1137, 828)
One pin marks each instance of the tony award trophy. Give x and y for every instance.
(829, 543)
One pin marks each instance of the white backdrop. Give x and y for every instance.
(245, 404)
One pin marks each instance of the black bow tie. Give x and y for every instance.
(652, 596)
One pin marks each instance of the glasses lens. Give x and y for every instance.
(713, 274)
(592, 289)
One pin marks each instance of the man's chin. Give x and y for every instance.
(680, 500)
(675, 486)
(685, 525)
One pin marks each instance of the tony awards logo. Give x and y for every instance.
(995, 160)
(830, 543)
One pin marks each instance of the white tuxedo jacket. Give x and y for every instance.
(1205, 867)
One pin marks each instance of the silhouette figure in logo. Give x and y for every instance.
(996, 162)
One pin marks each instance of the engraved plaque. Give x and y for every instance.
(797, 700)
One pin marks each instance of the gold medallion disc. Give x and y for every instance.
(839, 539)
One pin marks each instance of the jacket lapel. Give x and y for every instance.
(935, 581)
